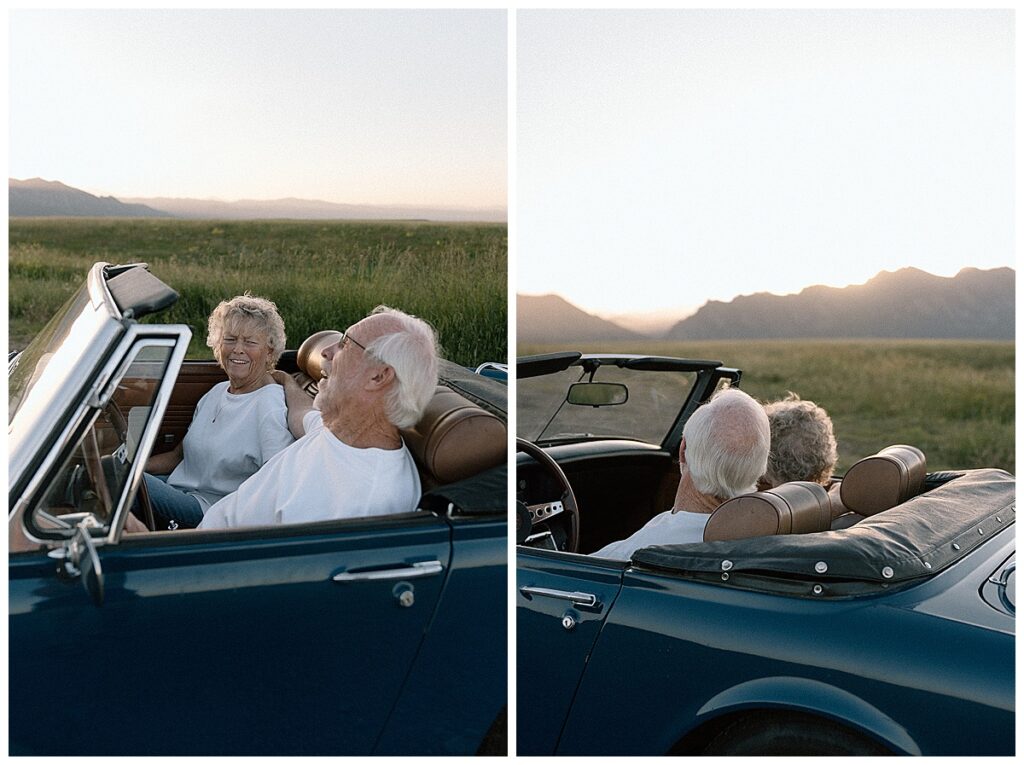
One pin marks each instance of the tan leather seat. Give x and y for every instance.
(883, 480)
(453, 440)
(310, 359)
(798, 507)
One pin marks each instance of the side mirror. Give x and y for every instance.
(597, 394)
(78, 558)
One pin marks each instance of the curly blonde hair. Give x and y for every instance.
(803, 444)
(251, 311)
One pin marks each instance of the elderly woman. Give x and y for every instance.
(803, 449)
(238, 425)
(803, 444)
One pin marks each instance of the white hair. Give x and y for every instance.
(408, 346)
(803, 444)
(727, 442)
(247, 310)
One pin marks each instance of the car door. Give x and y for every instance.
(278, 640)
(562, 602)
(247, 642)
(465, 653)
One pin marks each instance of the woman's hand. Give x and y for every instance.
(296, 399)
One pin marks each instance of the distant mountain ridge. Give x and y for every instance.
(908, 303)
(550, 318)
(36, 197)
(313, 209)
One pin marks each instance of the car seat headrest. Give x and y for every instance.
(797, 507)
(883, 480)
(310, 354)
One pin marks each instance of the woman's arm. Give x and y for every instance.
(163, 464)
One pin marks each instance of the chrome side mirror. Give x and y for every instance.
(78, 558)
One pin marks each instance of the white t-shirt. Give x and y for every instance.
(666, 528)
(232, 435)
(321, 478)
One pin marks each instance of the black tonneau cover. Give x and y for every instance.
(482, 494)
(920, 537)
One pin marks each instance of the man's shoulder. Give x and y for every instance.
(312, 421)
(687, 517)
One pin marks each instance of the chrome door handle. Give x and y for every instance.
(413, 571)
(576, 598)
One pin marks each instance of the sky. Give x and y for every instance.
(667, 158)
(359, 107)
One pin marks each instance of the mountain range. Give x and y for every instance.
(545, 318)
(37, 197)
(908, 303)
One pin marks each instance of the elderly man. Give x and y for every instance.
(350, 459)
(723, 452)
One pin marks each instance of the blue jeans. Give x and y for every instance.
(172, 504)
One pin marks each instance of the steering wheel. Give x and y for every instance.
(113, 414)
(94, 468)
(566, 503)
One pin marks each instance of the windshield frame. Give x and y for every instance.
(708, 376)
(64, 360)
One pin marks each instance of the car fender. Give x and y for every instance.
(809, 696)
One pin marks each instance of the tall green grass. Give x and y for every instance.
(321, 274)
(952, 399)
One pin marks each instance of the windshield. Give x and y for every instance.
(655, 399)
(31, 363)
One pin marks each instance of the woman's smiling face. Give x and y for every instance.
(244, 353)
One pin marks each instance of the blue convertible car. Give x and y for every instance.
(377, 635)
(894, 635)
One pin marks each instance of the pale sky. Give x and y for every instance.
(360, 107)
(665, 158)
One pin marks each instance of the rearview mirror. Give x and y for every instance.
(597, 394)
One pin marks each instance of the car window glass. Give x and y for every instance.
(94, 477)
(655, 398)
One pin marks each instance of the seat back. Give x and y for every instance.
(883, 480)
(798, 507)
(455, 439)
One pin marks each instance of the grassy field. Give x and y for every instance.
(321, 274)
(952, 399)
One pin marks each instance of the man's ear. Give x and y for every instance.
(682, 451)
(381, 378)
